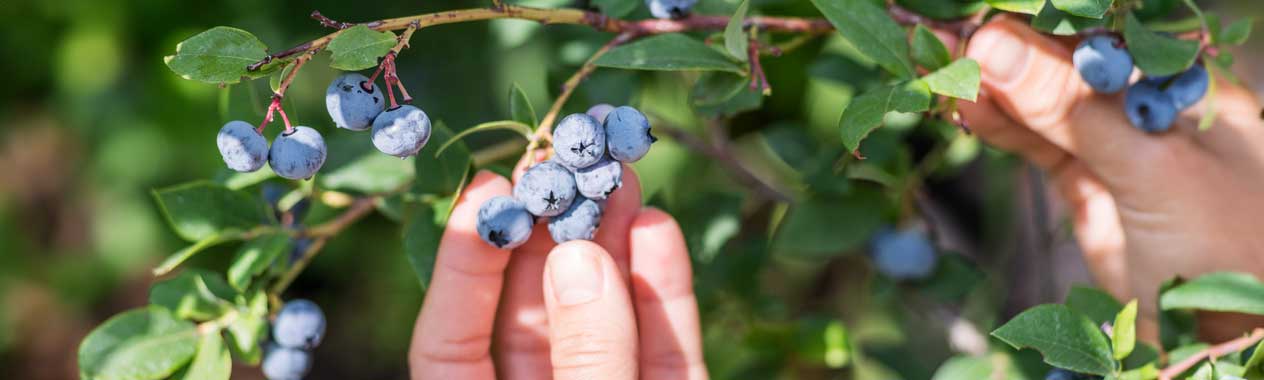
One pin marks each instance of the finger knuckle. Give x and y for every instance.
(584, 348)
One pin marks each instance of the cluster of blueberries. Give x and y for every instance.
(905, 254)
(297, 330)
(589, 150)
(353, 103)
(1152, 103)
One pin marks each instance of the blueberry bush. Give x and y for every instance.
(764, 195)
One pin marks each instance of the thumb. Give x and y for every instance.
(592, 328)
(1030, 77)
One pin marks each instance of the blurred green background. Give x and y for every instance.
(91, 120)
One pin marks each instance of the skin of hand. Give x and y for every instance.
(620, 307)
(1145, 207)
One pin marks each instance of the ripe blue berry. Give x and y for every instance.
(673, 9)
(1188, 87)
(504, 222)
(628, 135)
(350, 105)
(600, 111)
(284, 363)
(546, 189)
(903, 254)
(579, 222)
(300, 324)
(241, 145)
(599, 180)
(1148, 107)
(578, 141)
(401, 131)
(297, 154)
(1103, 63)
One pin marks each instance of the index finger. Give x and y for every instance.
(453, 331)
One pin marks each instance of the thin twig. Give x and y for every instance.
(556, 16)
(726, 159)
(321, 234)
(1212, 352)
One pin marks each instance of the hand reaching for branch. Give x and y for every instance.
(1145, 207)
(617, 308)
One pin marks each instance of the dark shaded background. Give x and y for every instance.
(91, 120)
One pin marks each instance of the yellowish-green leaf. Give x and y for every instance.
(959, 79)
(1124, 332)
(359, 48)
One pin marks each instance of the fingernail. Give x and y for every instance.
(575, 275)
(1005, 55)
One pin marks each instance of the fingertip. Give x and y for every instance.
(661, 264)
(654, 222)
(486, 185)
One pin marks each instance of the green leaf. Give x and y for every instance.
(182, 255)
(1237, 32)
(520, 108)
(1094, 304)
(443, 174)
(829, 226)
(865, 112)
(1057, 22)
(202, 209)
(1124, 332)
(616, 8)
(668, 52)
(140, 344)
(928, 51)
(421, 243)
(943, 10)
(872, 31)
(1232, 292)
(734, 37)
(1255, 364)
(965, 368)
(1030, 7)
(359, 48)
(250, 327)
(237, 181)
(218, 55)
(713, 88)
(362, 168)
(1083, 8)
(959, 80)
(194, 294)
(1147, 372)
(1142, 355)
(1156, 54)
(523, 130)
(256, 256)
(1065, 338)
(212, 361)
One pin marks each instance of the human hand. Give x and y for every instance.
(616, 308)
(1146, 207)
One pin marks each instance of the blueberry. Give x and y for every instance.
(504, 222)
(300, 324)
(1148, 107)
(546, 189)
(297, 154)
(578, 141)
(1103, 63)
(628, 135)
(903, 254)
(600, 111)
(241, 145)
(579, 222)
(599, 180)
(350, 105)
(283, 363)
(1188, 87)
(673, 9)
(401, 131)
